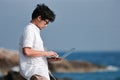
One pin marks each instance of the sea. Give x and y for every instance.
(109, 59)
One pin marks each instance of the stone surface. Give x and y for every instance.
(9, 59)
(74, 66)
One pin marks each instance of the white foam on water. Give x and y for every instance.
(112, 68)
(16, 68)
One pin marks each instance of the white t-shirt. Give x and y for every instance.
(32, 65)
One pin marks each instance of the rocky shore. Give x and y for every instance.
(9, 59)
(74, 66)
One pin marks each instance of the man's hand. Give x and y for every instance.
(52, 54)
(52, 59)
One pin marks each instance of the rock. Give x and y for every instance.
(74, 66)
(8, 59)
(12, 75)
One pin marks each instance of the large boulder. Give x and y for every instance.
(74, 66)
(8, 59)
(13, 75)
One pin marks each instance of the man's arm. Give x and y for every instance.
(35, 53)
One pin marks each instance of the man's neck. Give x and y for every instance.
(35, 23)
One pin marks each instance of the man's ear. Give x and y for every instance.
(39, 18)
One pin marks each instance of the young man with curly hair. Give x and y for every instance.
(33, 57)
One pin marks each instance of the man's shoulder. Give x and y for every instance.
(29, 27)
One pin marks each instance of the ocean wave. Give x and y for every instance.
(109, 69)
(112, 68)
(16, 68)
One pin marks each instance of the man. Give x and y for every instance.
(33, 57)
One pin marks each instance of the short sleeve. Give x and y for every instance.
(28, 37)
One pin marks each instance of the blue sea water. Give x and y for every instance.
(109, 59)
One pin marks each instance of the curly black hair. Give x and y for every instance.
(44, 11)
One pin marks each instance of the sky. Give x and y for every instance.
(87, 25)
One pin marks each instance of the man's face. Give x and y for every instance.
(42, 23)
